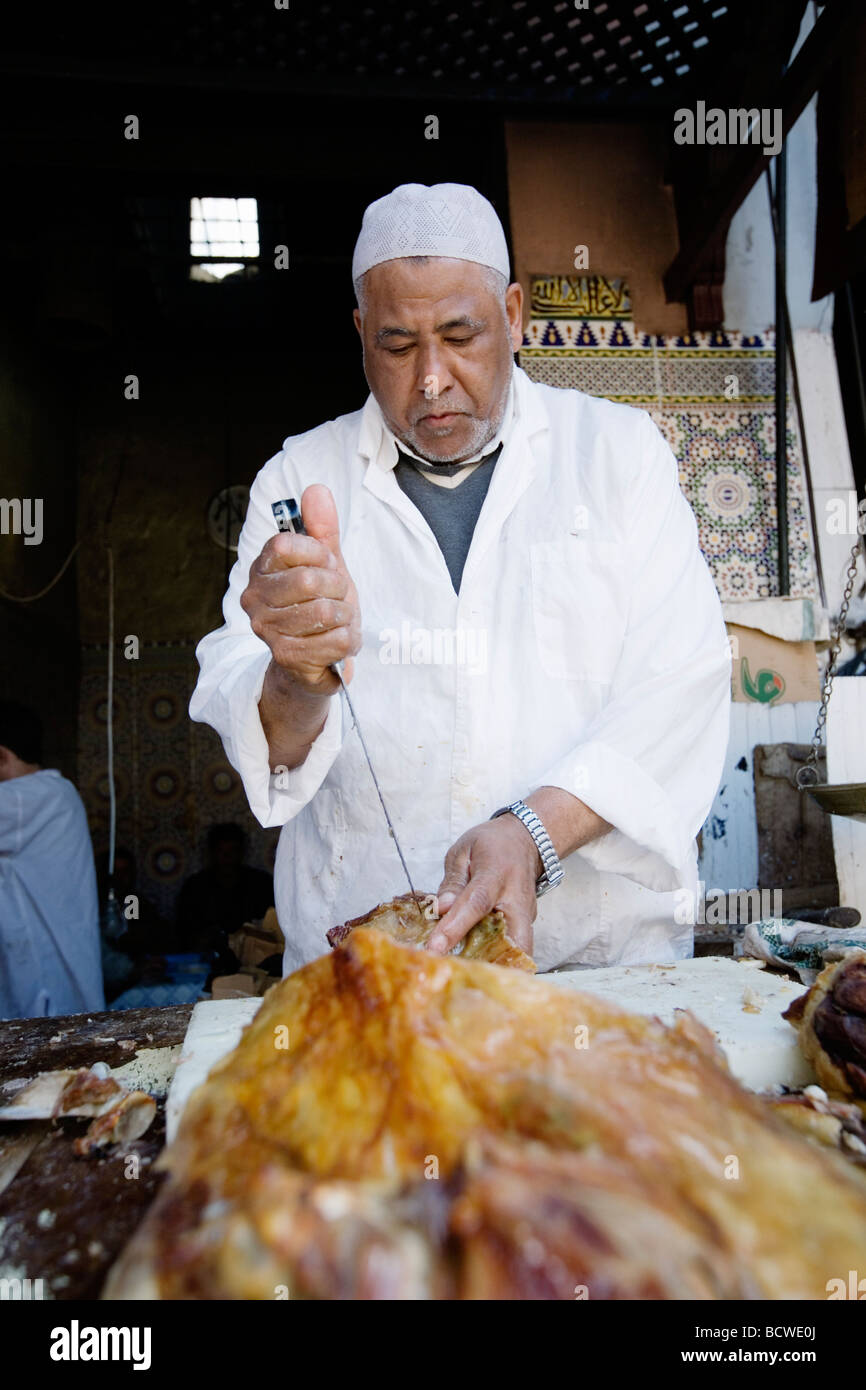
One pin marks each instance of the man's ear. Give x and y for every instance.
(514, 310)
(356, 315)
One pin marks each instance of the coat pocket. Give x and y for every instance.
(578, 607)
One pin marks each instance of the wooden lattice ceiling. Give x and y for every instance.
(618, 52)
(524, 43)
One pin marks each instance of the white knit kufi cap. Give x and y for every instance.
(446, 219)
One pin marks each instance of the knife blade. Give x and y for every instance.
(287, 515)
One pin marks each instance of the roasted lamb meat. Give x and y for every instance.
(412, 921)
(831, 1022)
(395, 1124)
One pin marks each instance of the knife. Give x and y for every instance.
(287, 515)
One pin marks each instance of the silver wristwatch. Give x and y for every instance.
(553, 870)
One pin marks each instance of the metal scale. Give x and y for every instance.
(841, 798)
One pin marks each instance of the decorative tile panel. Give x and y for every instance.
(171, 776)
(712, 395)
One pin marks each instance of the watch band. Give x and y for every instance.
(553, 872)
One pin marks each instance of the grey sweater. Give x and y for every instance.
(451, 513)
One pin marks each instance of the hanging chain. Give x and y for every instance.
(807, 775)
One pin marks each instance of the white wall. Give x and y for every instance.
(729, 853)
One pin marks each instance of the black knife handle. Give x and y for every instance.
(287, 515)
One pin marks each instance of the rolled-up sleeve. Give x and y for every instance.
(651, 761)
(233, 662)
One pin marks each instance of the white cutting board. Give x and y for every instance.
(213, 1030)
(760, 1046)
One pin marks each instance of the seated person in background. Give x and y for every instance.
(49, 916)
(221, 898)
(135, 938)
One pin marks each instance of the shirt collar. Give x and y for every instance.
(386, 451)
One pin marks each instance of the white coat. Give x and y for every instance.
(585, 650)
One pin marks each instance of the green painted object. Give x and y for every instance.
(765, 688)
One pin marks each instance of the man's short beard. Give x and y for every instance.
(482, 432)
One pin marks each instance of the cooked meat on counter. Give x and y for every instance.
(831, 1021)
(395, 1124)
(413, 922)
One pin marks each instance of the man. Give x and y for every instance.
(49, 917)
(219, 899)
(513, 578)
